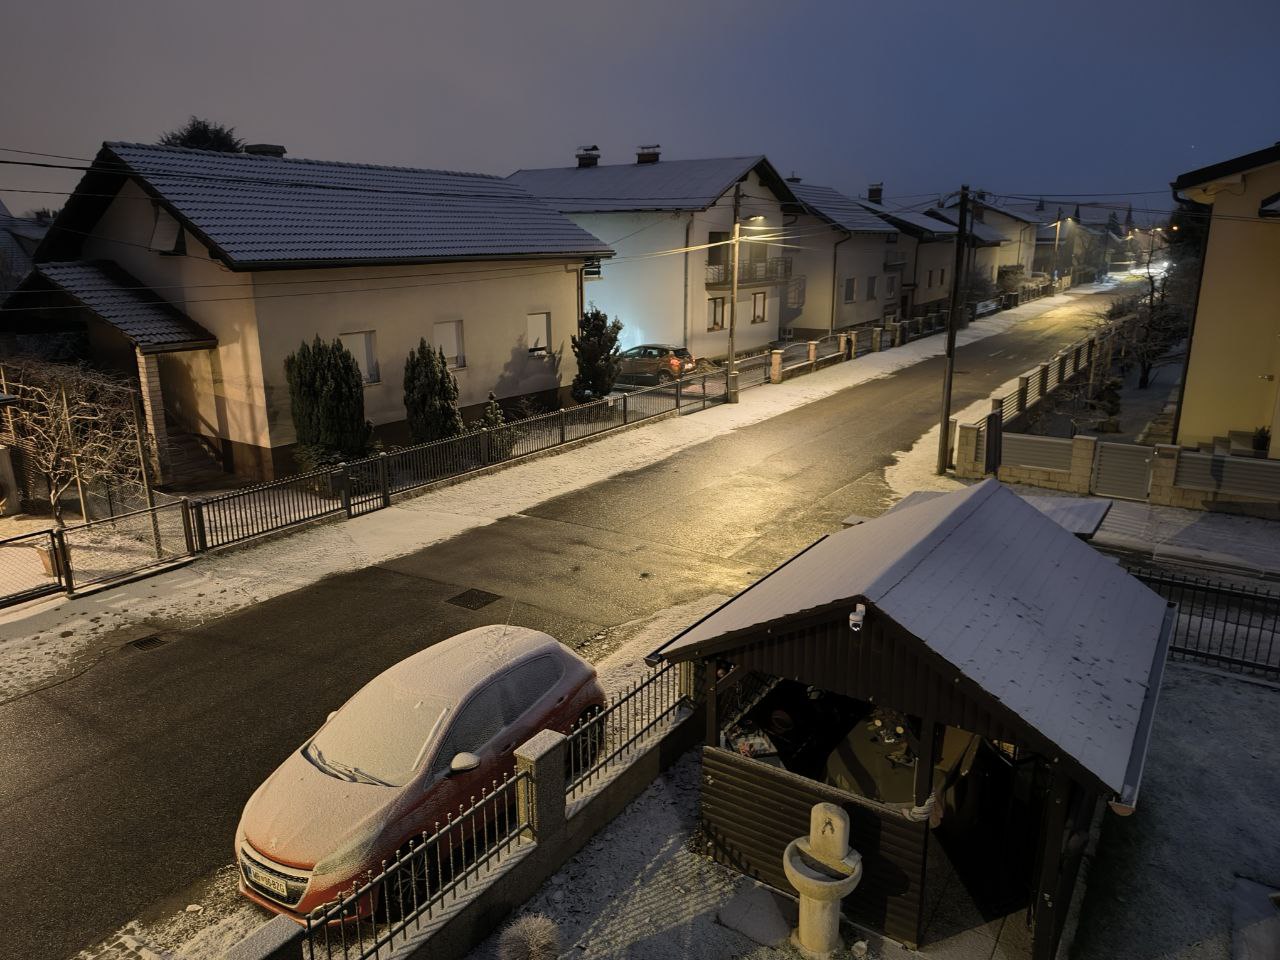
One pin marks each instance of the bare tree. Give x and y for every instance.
(74, 426)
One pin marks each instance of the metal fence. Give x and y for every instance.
(121, 546)
(1226, 625)
(30, 567)
(426, 875)
(609, 738)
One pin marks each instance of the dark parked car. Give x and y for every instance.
(655, 363)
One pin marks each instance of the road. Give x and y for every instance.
(123, 785)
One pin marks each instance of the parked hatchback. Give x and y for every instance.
(413, 744)
(655, 363)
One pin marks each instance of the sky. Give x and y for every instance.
(1013, 96)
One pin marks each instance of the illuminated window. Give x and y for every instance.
(757, 307)
(715, 313)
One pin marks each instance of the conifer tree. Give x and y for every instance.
(596, 350)
(430, 395)
(326, 398)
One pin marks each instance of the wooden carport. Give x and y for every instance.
(971, 610)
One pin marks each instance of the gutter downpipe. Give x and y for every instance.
(688, 238)
(835, 277)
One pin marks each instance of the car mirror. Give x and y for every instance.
(332, 714)
(464, 762)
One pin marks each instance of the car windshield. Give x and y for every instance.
(380, 735)
(682, 353)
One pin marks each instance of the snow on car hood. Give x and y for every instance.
(302, 814)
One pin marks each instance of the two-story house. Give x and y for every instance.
(671, 226)
(926, 255)
(200, 272)
(848, 261)
(1232, 378)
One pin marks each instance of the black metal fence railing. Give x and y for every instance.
(121, 546)
(607, 739)
(1227, 625)
(30, 567)
(265, 507)
(424, 877)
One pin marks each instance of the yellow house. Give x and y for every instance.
(1233, 364)
(202, 271)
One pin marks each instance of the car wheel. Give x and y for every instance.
(586, 744)
(408, 888)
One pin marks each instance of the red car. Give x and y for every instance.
(414, 743)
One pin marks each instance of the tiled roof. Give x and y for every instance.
(262, 211)
(843, 211)
(1055, 631)
(911, 221)
(13, 253)
(664, 185)
(985, 235)
(142, 316)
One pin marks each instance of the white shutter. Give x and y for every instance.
(448, 337)
(539, 332)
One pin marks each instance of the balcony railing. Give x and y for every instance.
(772, 270)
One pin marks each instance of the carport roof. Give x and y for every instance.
(1057, 633)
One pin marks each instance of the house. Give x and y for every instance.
(199, 272)
(984, 246)
(965, 678)
(19, 237)
(670, 223)
(1016, 227)
(1232, 379)
(847, 260)
(926, 255)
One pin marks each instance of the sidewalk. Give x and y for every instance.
(47, 641)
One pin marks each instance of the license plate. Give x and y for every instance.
(268, 882)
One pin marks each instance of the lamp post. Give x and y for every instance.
(731, 384)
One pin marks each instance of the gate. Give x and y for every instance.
(30, 567)
(1122, 470)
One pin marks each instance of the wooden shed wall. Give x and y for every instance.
(751, 811)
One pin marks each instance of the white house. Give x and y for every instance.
(670, 223)
(848, 260)
(926, 251)
(199, 272)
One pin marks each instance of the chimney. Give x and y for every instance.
(648, 153)
(264, 149)
(875, 192)
(588, 156)
(793, 178)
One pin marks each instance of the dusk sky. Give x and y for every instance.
(1015, 97)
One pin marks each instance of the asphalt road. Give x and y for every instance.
(122, 786)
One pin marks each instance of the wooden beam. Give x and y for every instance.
(1048, 911)
(926, 748)
(713, 718)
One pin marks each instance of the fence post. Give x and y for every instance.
(63, 558)
(188, 533)
(624, 409)
(679, 383)
(197, 517)
(1062, 367)
(384, 481)
(775, 366)
(813, 351)
(877, 339)
(540, 794)
(1024, 387)
(844, 346)
(561, 412)
(1044, 380)
(484, 446)
(341, 473)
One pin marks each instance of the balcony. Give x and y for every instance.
(750, 272)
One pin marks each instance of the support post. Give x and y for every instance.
(877, 339)
(843, 340)
(1024, 387)
(75, 460)
(562, 425)
(197, 518)
(775, 366)
(624, 409)
(64, 560)
(1047, 910)
(813, 351)
(944, 423)
(731, 384)
(541, 793)
(709, 690)
(188, 529)
(384, 481)
(142, 469)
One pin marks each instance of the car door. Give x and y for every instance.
(528, 689)
(477, 727)
(630, 361)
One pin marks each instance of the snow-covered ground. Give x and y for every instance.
(47, 641)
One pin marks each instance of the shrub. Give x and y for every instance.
(531, 937)
(596, 350)
(430, 396)
(326, 398)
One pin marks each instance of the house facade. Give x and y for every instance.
(848, 261)
(926, 255)
(1232, 379)
(199, 272)
(670, 225)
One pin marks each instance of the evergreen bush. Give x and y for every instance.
(326, 399)
(596, 350)
(430, 395)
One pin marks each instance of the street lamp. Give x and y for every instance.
(731, 380)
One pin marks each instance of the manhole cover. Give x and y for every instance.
(148, 643)
(474, 599)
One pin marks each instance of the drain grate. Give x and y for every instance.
(474, 599)
(148, 643)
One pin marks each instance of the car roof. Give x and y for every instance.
(661, 346)
(453, 668)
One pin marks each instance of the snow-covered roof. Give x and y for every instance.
(1038, 620)
(845, 212)
(911, 221)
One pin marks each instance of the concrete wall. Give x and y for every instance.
(1234, 368)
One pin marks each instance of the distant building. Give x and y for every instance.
(670, 223)
(1233, 364)
(199, 272)
(19, 238)
(926, 253)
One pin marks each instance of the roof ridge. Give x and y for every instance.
(257, 157)
(631, 164)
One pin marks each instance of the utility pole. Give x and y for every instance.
(957, 282)
(731, 383)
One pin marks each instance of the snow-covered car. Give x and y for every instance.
(418, 740)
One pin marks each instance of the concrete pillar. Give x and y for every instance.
(1024, 388)
(877, 339)
(1080, 474)
(1164, 468)
(967, 464)
(775, 366)
(153, 410)
(843, 342)
(541, 793)
(813, 351)
(1044, 380)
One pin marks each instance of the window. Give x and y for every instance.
(942, 277)
(539, 325)
(891, 285)
(448, 337)
(526, 684)
(850, 290)
(715, 313)
(166, 233)
(757, 307)
(871, 287)
(479, 722)
(718, 256)
(364, 347)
